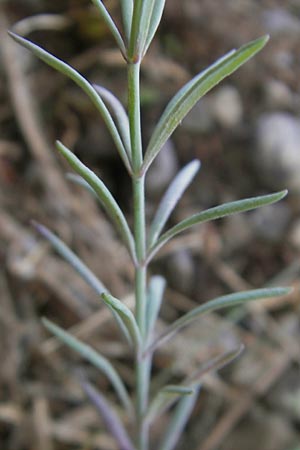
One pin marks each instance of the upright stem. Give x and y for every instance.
(140, 242)
(142, 370)
(134, 110)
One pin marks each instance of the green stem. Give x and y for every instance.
(140, 244)
(143, 365)
(135, 116)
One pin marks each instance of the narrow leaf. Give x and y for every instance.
(170, 199)
(164, 398)
(119, 113)
(79, 266)
(125, 315)
(107, 200)
(224, 301)
(167, 396)
(63, 250)
(110, 418)
(178, 421)
(154, 299)
(127, 10)
(155, 21)
(94, 358)
(213, 365)
(216, 213)
(71, 73)
(188, 96)
(111, 25)
(142, 14)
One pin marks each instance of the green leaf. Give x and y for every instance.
(142, 14)
(126, 317)
(154, 23)
(79, 266)
(111, 25)
(94, 358)
(154, 299)
(146, 18)
(109, 417)
(120, 115)
(188, 96)
(213, 365)
(178, 421)
(71, 258)
(225, 301)
(127, 10)
(167, 396)
(107, 200)
(71, 73)
(170, 199)
(164, 398)
(216, 213)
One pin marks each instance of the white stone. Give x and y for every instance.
(227, 107)
(277, 155)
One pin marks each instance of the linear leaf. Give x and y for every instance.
(125, 315)
(127, 10)
(111, 25)
(94, 358)
(178, 421)
(142, 14)
(119, 113)
(107, 200)
(155, 21)
(71, 73)
(224, 301)
(79, 266)
(154, 299)
(71, 258)
(214, 213)
(188, 96)
(213, 365)
(110, 418)
(167, 396)
(162, 400)
(171, 197)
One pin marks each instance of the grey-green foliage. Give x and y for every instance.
(140, 20)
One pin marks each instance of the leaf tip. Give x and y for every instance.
(265, 38)
(61, 148)
(19, 39)
(38, 226)
(261, 41)
(13, 35)
(287, 290)
(196, 163)
(280, 195)
(46, 322)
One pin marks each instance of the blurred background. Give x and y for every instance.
(246, 133)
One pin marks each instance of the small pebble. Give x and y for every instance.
(278, 94)
(277, 155)
(227, 107)
(162, 171)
